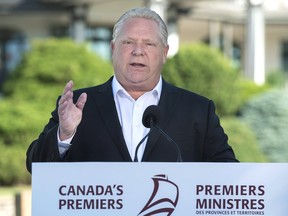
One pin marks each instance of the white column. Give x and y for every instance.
(173, 38)
(214, 34)
(78, 24)
(228, 40)
(255, 45)
(161, 7)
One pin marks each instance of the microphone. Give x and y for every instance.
(151, 116)
(150, 119)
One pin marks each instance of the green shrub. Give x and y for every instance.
(50, 64)
(249, 89)
(267, 115)
(206, 71)
(276, 78)
(12, 166)
(30, 93)
(243, 140)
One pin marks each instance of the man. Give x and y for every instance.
(104, 123)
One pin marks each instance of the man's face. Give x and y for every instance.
(138, 55)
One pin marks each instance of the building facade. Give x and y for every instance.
(252, 33)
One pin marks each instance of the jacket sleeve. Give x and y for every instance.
(45, 148)
(216, 147)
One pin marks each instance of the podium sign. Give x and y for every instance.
(181, 189)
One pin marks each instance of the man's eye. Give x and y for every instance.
(127, 42)
(150, 44)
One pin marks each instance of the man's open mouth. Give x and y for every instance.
(137, 65)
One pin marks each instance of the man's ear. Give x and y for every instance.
(112, 45)
(166, 49)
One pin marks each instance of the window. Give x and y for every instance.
(12, 46)
(284, 56)
(236, 51)
(99, 39)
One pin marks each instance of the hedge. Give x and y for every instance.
(30, 93)
(267, 115)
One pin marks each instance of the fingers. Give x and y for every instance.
(67, 93)
(70, 114)
(66, 99)
(81, 101)
(68, 87)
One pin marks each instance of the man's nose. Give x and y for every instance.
(138, 50)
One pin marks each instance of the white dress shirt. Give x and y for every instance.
(130, 114)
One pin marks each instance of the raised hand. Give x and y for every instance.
(70, 114)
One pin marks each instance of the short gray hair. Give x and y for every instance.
(145, 13)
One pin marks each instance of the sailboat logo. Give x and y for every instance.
(163, 199)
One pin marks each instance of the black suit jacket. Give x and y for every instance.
(188, 118)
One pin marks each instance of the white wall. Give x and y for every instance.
(35, 25)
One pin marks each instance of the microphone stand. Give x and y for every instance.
(142, 140)
(179, 157)
(152, 126)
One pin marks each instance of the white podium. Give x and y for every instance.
(176, 189)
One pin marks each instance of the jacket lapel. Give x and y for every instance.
(106, 105)
(167, 105)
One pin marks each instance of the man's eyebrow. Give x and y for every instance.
(128, 38)
(147, 40)
(144, 40)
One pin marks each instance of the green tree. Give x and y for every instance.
(30, 93)
(204, 70)
(243, 140)
(199, 68)
(267, 115)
